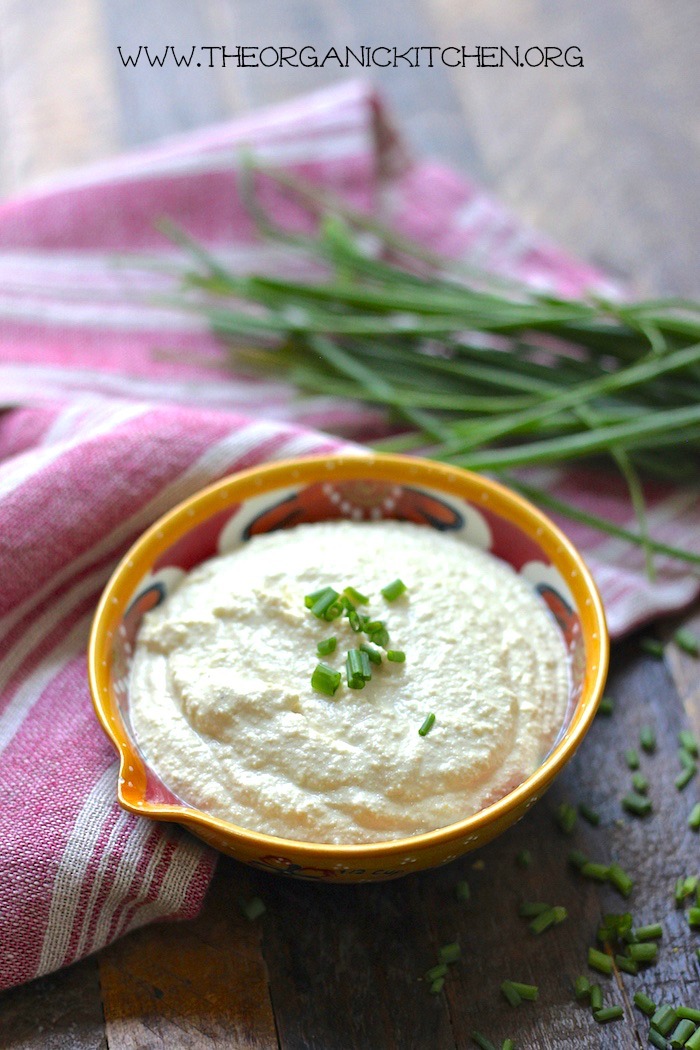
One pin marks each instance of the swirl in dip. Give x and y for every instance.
(223, 708)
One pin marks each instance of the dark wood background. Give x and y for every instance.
(605, 159)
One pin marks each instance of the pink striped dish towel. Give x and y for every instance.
(116, 409)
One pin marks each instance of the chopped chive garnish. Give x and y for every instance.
(615, 927)
(392, 590)
(436, 971)
(482, 1041)
(694, 1042)
(373, 655)
(589, 814)
(354, 669)
(694, 818)
(688, 741)
(364, 661)
(608, 1013)
(582, 987)
(694, 917)
(462, 891)
(524, 858)
(659, 1041)
(449, 953)
(626, 965)
(597, 872)
(529, 909)
(684, 778)
(648, 933)
(378, 636)
(526, 991)
(652, 646)
(437, 985)
(354, 621)
(596, 997)
(510, 993)
(600, 961)
(606, 706)
(640, 783)
(326, 606)
(632, 758)
(253, 908)
(311, 599)
(686, 759)
(327, 646)
(647, 740)
(620, 880)
(427, 725)
(551, 917)
(684, 888)
(645, 952)
(325, 679)
(663, 1019)
(508, 1044)
(644, 1003)
(688, 1013)
(565, 817)
(687, 641)
(396, 656)
(638, 805)
(355, 596)
(577, 859)
(681, 1033)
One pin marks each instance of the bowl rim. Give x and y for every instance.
(281, 473)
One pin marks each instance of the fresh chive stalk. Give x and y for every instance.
(582, 987)
(482, 1042)
(435, 972)
(356, 596)
(529, 909)
(530, 992)
(640, 783)
(510, 994)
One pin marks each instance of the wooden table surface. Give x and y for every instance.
(605, 159)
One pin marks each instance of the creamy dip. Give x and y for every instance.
(222, 704)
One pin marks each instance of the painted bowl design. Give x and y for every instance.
(359, 488)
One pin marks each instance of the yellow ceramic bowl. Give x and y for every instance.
(358, 487)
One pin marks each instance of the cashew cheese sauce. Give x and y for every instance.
(223, 709)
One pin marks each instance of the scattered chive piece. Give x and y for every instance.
(354, 621)
(437, 985)
(449, 953)
(694, 1042)
(638, 805)
(688, 741)
(632, 758)
(392, 590)
(508, 1044)
(609, 1013)
(620, 880)
(378, 635)
(600, 961)
(686, 759)
(688, 1013)
(253, 908)
(510, 993)
(327, 646)
(652, 646)
(355, 596)
(311, 599)
(694, 917)
(626, 965)
(326, 606)
(659, 1041)
(598, 872)
(640, 783)
(684, 778)
(645, 952)
(325, 679)
(396, 656)
(354, 668)
(577, 859)
(687, 641)
(596, 997)
(606, 706)
(524, 858)
(462, 891)
(427, 725)
(366, 669)
(373, 655)
(529, 909)
(551, 917)
(582, 987)
(682, 1033)
(647, 740)
(589, 814)
(565, 817)
(664, 1019)
(435, 972)
(644, 1003)
(649, 933)
(615, 927)
(694, 818)
(526, 991)
(482, 1041)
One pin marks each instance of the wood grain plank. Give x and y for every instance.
(59, 1012)
(57, 103)
(196, 985)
